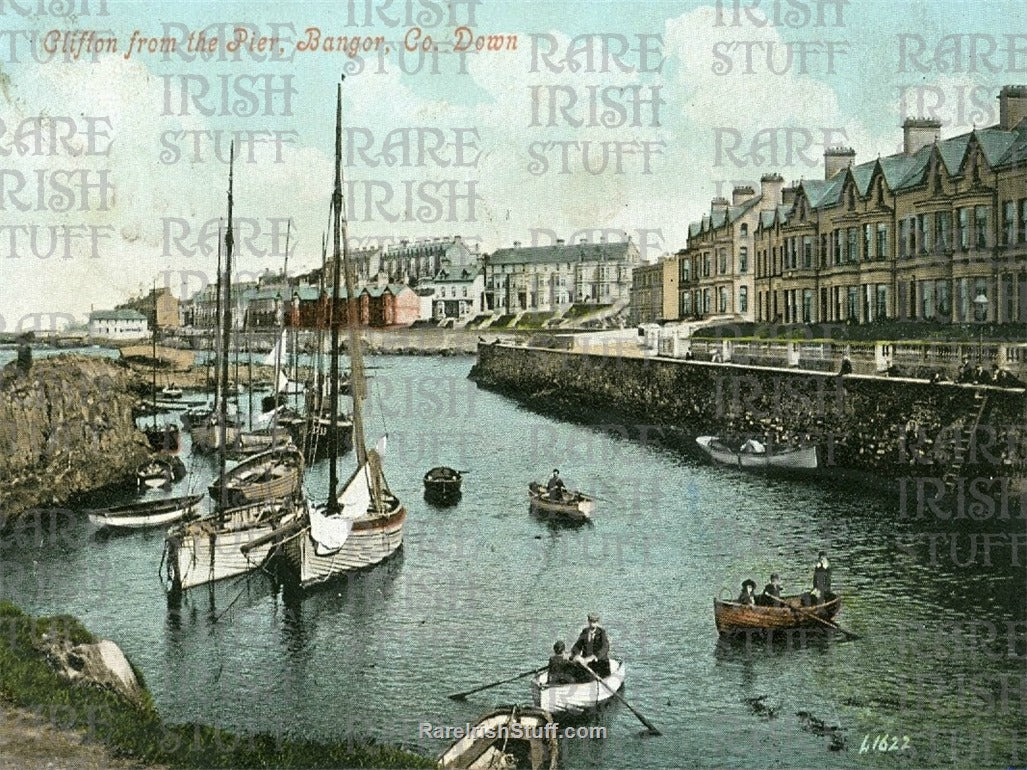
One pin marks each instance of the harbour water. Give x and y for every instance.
(482, 589)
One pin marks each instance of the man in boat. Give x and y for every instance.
(555, 487)
(561, 669)
(748, 595)
(593, 648)
(822, 576)
(771, 593)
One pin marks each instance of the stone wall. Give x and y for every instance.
(66, 428)
(890, 426)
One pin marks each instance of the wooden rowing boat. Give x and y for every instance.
(442, 483)
(154, 474)
(273, 475)
(732, 617)
(578, 697)
(575, 506)
(518, 736)
(147, 514)
(753, 455)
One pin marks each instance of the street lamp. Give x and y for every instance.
(981, 315)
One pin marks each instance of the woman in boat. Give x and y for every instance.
(748, 595)
(771, 593)
(822, 575)
(593, 647)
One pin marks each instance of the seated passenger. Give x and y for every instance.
(747, 596)
(561, 669)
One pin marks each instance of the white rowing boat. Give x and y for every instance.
(578, 697)
(755, 455)
(147, 514)
(518, 736)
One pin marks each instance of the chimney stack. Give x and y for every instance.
(718, 204)
(770, 191)
(836, 159)
(919, 132)
(741, 194)
(788, 194)
(1012, 106)
(560, 241)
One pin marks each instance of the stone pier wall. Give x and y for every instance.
(893, 427)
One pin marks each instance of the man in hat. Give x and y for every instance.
(748, 595)
(555, 487)
(561, 669)
(593, 647)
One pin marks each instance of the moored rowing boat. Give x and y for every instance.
(519, 736)
(147, 514)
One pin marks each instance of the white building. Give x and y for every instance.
(118, 325)
(455, 292)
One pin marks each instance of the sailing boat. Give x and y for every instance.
(161, 438)
(211, 548)
(362, 525)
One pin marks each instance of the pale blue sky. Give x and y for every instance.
(521, 192)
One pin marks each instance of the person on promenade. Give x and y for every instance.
(748, 595)
(771, 593)
(846, 367)
(561, 669)
(593, 648)
(555, 486)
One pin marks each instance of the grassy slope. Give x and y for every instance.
(136, 731)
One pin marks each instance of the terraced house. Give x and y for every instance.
(716, 270)
(937, 232)
(552, 278)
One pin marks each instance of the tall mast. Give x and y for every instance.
(226, 339)
(216, 336)
(333, 371)
(153, 368)
(356, 353)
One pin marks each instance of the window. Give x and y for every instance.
(722, 261)
(882, 241)
(923, 232)
(982, 220)
(868, 237)
(706, 301)
(903, 237)
(743, 299)
(943, 298)
(793, 253)
(943, 230)
(927, 300)
(807, 306)
(686, 304)
(1023, 221)
(1008, 222)
(823, 251)
(852, 303)
(706, 265)
(881, 303)
(963, 234)
(722, 300)
(853, 252)
(743, 258)
(743, 230)
(836, 246)
(807, 251)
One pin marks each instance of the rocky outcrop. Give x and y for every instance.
(66, 428)
(99, 664)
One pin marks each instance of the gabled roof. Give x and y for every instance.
(577, 252)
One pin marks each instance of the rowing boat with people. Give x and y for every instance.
(577, 697)
(732, 617)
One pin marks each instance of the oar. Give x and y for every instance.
(617, 695)
(807, 614)
(462, 695)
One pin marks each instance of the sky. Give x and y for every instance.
(575, 120)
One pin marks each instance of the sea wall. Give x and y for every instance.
(66, 428)
(894, 427)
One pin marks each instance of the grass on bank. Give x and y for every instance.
(136, 731)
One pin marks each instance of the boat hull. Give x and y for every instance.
(576, 698)
(150, 514)
(579, 510)
(803, 458)
(528, 734)
(731, 617)
(442, 484)
(208, 550)
(372, 540)
(273, 475)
